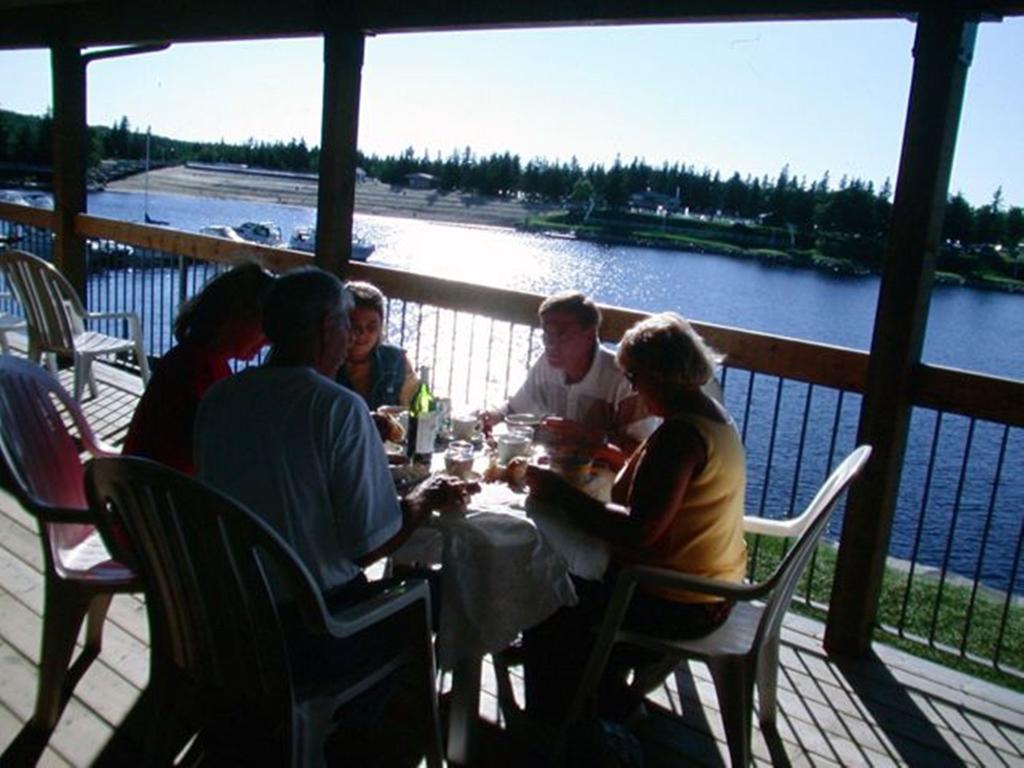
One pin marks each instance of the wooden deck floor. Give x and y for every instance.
(890, 710)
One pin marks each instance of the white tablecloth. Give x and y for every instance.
(502, 572)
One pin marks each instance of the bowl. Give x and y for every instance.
(523, 419)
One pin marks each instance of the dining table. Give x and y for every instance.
(505, 564)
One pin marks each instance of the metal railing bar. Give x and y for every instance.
(984, 537)
(490, 348)
(746, 408)
(952, 525)
(433, 356)
(1008, 599)
(808, 393)
(915, 550)
(508, 357)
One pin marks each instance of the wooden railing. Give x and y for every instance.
(796, 402)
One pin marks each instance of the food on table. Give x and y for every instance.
(513, 473)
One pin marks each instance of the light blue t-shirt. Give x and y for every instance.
(301, 452)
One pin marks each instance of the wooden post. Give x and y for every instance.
(942, 50)
(70, 152)
(336, 194)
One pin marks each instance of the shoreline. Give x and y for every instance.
(372, 197)
(461, 209)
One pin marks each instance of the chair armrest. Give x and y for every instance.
(131, 317)
(110, 315)
(355, 618)
(101, 449)
(665, 577)
(783, 529)
(48, 514)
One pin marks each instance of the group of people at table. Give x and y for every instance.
(294, 441)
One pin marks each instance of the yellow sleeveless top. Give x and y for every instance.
(705, 537)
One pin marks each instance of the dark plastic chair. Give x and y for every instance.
(221, 664)
(46, 474)
(742, 651)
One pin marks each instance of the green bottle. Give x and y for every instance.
(422, 421)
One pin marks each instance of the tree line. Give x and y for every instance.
(850, 206)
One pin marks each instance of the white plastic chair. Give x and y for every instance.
(745, 648)
(56, 320)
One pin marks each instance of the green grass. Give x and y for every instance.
(953, 616)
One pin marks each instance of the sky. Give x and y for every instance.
(818, 96)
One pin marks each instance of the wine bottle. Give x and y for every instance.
(422, 420)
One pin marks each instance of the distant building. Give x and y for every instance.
(654, 201)
(360, 175)
(419, 180)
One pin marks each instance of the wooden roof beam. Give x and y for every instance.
(115, 22)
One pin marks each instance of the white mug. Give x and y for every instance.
(465, 427)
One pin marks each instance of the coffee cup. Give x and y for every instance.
(465, 427)
(511, 445)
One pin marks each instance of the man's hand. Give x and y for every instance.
(488, 418)
(441, 493)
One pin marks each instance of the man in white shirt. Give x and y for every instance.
(577, 381)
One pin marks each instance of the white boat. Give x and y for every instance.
(304, 239)
(222, 230)
(104, 247)
(261, 232)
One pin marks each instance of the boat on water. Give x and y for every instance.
(304, 239)
(110, 249)
(222, 230)
(261, 232)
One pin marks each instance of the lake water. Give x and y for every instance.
(967, 328)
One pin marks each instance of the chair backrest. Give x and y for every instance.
(52, 308)
(783, 581)
(203, 560)
(40, 453)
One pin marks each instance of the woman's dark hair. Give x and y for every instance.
(367, 296)
(237, 293)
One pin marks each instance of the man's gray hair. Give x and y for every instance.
(297, 303)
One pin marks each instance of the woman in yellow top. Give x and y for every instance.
(677, 503)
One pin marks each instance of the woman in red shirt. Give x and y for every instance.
(220, 323)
